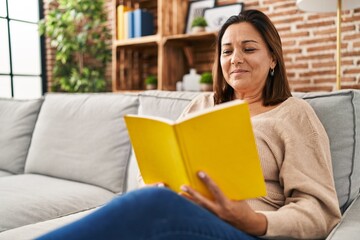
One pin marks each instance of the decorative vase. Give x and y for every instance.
(191, 81)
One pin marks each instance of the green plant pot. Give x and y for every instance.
(206, 87)
(151, 86)
(197, 29)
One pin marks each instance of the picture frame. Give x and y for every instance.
(197, 9)
(216, 16)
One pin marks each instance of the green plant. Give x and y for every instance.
(199, 22)
(151, 79)
(206, 78)
(77, 30)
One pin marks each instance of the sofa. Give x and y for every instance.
(65, 155)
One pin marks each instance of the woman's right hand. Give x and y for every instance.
(237, 213)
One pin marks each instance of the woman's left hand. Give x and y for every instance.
(237, 213)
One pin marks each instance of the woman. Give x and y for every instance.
(292, 144)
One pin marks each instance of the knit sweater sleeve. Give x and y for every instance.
(311, 208)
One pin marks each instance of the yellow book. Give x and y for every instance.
(218, 141)
(121, 9)
(126, 25)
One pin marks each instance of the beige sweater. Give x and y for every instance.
(301, 201)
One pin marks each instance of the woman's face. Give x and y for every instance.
(245, 59)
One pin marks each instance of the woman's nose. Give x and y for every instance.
(237, 58)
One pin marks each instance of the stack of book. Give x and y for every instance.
(133, 23)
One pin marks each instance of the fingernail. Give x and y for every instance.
(201, 174)
(184, 188)
(160, 185)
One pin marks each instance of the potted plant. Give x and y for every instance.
(78, 32)
(206, 81)
(151, 82)
(198, 24)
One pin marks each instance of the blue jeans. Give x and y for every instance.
(151, 214)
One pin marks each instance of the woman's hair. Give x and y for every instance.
(276, 89)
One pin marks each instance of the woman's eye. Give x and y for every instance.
(249, 49)
(225, 52)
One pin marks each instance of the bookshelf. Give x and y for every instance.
(168, 53)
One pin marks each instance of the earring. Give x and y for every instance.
(272, 72)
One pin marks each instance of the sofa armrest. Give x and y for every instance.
(348, 227)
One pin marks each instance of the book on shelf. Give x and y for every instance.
(126, 25)
(143, 23)
(121, 10)
(218, 141)
(130, 24)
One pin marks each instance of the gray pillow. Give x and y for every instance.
(17, 122)
(166, 104)
(32, 198)
(339, 112)
(82, 137)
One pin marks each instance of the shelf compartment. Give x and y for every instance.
(133, 65)
(185, 51)
(169, 53)
(150, 5)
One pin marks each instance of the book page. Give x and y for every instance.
(157, 152)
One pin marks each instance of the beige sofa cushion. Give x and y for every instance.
(339, 112)
(165, 104)
(82, 137)
(5, 173)
(31, 198)
(32, 231)
(17, 122)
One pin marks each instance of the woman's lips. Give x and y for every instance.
(239, 71)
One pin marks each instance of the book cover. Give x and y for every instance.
(143, 23)
(218, 140)
(126, 25)
(121, 9)
(130, 24)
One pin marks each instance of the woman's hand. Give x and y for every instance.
(237, 213)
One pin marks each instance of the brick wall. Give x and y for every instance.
(309, 43)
